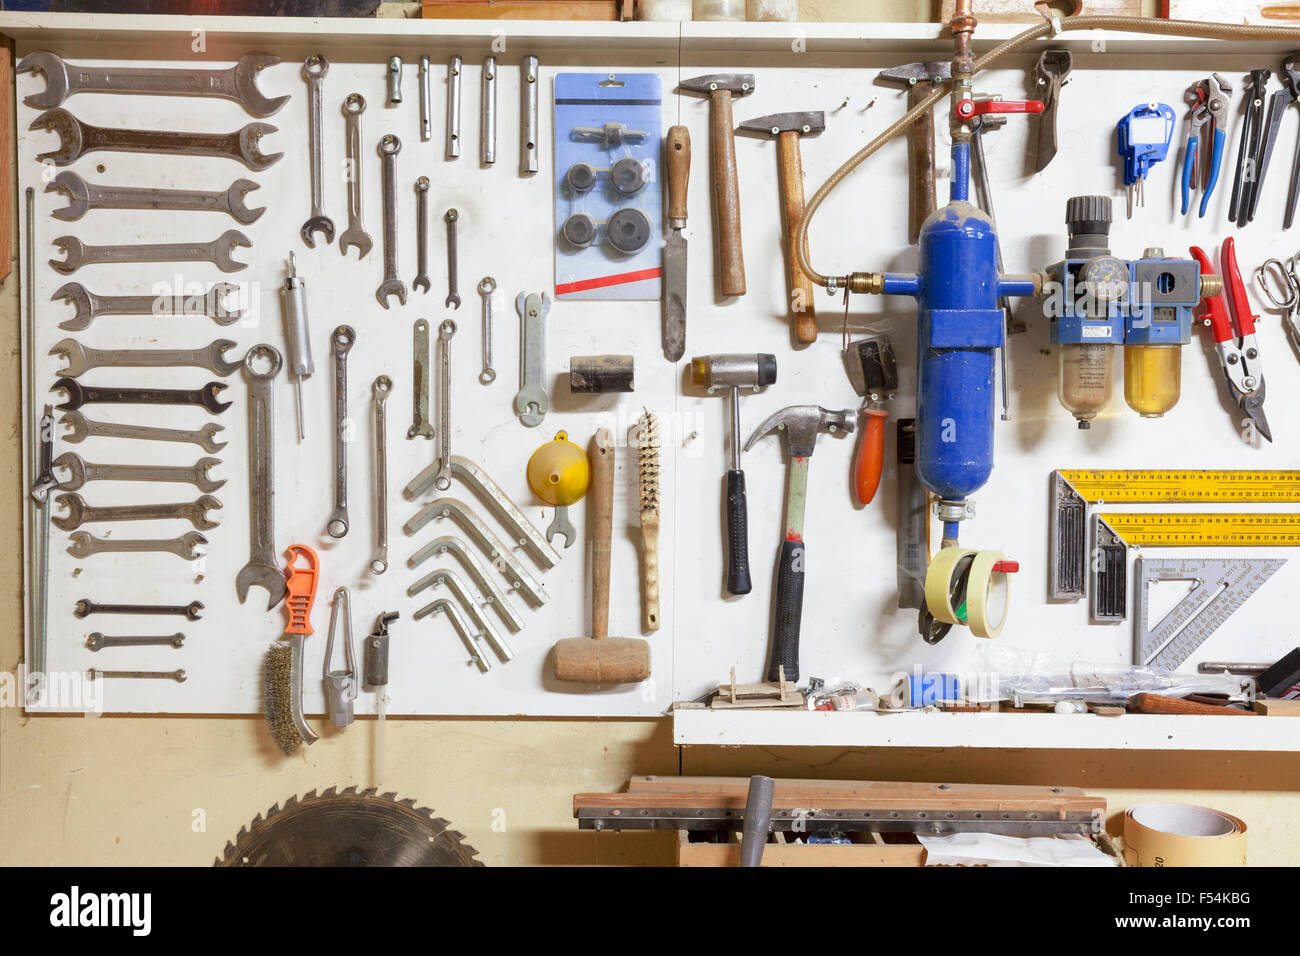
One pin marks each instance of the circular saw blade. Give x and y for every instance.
(348, 828)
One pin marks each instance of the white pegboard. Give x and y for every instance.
(851, 628)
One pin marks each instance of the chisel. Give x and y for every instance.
(677, 146)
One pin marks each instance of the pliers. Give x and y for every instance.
(1238, 351)
(1210, 99)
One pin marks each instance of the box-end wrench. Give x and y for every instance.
(89, 306)
(442, 481)
(422, 235)
(220, 252)
(452, 216)
(355, 235)
(83, 428)
(84, 197)
(79, 513)
(86, 607)
(532, 402)
(238, 83)
(453, 107)
(79, 395)
(261, 568)
(341, 342)
(190, 546)
(528, 84)
(97, 641)
(420, 424)
(389, 147)
(487, 287)
(314, 69)
(81, 471)
(487, 124)
(381, 388)
(78, 139)
(81, 359)
(177, 675)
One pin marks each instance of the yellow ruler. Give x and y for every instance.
(1205, 529)
(1150, 486)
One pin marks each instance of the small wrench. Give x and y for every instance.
(487, 287)
(89, 306)
(389, 147)
(421, 425)
(177, 675)
(238, 83)
(422, 234)
(81, 359)
(97, 641)
(453, 296)
(382, 386)
(314, 69)
(81, 471)
(443, 480)
(220, 252)
(83, 428)
(188, 546)
(78, 139)
(531, 402)
(79, 513)
(86, 607)
(261, 568)
(78, 395)
(355, 234)
(84, 197)
(342, 341)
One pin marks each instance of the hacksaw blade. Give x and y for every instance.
(1221, 586)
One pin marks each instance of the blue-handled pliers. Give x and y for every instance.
(1211, 97)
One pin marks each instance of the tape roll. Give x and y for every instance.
(1182, 834)
(943, 580)
(987, 594)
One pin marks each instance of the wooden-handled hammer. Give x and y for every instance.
(720, 88)
(920, 80)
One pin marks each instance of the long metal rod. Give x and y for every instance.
(38, 512)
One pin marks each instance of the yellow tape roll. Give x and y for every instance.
(945, 568)
(987, 593)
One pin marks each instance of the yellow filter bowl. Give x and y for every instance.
(1153, 378)
(559, 472)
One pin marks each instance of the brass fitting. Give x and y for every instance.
(1211, 285)
(866, 283)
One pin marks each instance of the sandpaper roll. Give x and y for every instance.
(1182, 834)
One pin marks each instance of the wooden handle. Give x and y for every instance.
(870, 459)
(726, 194)
(677, 147)
(920, 164)
(650, 570)
(601, 503)
(1160, 704)
(798, 286)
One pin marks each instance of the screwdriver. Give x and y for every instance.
(297, 337)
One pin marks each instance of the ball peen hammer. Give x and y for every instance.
(720, 89)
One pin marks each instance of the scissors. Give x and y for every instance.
(1280, 283)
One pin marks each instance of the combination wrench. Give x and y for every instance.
(78, 138)
(189, 546)
(79, 513)
(487, 287)
(83, 428)
(220, 252)
(80, 472)
(381, 388)
(341, 341)
(261, 568)
(453, 295)
(420, 424)
(443, 479)
(97, 641)
(81, 359)
(314, 69)
(88, 306)
(355, 234)
(422, 235)
(238, 83)
(79, 395)
(532, 402)
(84, 197)
(86, 607)
(177, 675)
(389, 147)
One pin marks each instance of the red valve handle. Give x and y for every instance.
(967, 109)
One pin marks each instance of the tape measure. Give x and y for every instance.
(1142, 486)
(1205, 529)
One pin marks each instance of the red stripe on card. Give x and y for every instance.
(601, 282)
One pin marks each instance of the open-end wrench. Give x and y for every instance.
(443, 479)
(453, 295)
(80, 358)
(220, 252)
(86, 607)
(189, 546)
(78, 395)
(532, 402)
(83, 428)
(381, 388)
(389, 147)
(97, 641)
(422, 235)
(313, 71)
(81, 471)
(177, 675)
(341, 342)
(89, 306)
(84, 197)
(79, 513)
(354, 104)
(420, 424)
(78, 139)
(261, 568)
(238, 83)
(487, 287)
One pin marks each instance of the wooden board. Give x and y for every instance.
(1279, 707)
(801, 854)
(1243, 11)
(519, 10)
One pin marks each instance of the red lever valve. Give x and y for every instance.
(968, 109)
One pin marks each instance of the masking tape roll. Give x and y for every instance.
(987, 593)
(944, 569)
(1182, 834)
